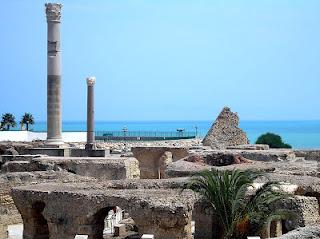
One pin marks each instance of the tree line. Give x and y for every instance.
(8, 121)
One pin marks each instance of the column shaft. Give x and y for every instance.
(54, 126)
(90, 113)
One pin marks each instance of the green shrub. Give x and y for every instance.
(273, 140)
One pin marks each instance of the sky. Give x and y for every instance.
(167, 59)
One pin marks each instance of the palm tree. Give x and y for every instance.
(240, 211)
(8, 120)
(27, 119)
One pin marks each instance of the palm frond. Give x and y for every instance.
(227, 193)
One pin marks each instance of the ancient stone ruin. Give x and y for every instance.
(120, 190)
(61, 197)
(225, 131)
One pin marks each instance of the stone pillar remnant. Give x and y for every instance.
(54, 128)
(225, 131)
(90, 113)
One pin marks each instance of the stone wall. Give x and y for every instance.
(55, 152)
(271, 155)
(112, 167)
(312, 154)
(268, 155)
(205, 222)
(303, 232)
(76, 152)
(162, 212)
(67, 152)
(306, 211)
(8, 212)
(149, 158)
(157, 207)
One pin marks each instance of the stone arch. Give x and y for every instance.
(35, 225)
(206, 223)
(97, 221)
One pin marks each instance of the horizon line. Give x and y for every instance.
(191, 120)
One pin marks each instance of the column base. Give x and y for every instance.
(55, 143)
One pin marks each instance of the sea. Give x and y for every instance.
(299, 134)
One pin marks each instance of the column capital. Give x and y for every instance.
(53, 12)
(91, 80)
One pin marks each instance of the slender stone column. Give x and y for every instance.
(53, 12)
(90, 113)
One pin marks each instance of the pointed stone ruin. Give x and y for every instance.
(225, 131)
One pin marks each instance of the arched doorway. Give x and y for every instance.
(113, 221)
(36, 226)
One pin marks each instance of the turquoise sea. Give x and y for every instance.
(300, 134)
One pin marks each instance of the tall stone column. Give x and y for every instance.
(54, 128)
(90, 113)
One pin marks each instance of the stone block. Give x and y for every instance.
(303, 232)
(81, 237)
(3, 231)
(250, 147)
(309, 209)
(16, 166)
(119, 230)
(151, 158)
(108, 168)
(147, 236)
(269, 155)
(64, 152)
(308, 154)
(306, 210)
(27, 157)
(76, 152)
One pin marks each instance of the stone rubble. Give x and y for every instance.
(309, 232)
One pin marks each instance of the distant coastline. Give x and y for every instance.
(302, 134)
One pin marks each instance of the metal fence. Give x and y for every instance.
(146, 133)
(143, 135)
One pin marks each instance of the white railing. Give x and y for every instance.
(28, 136)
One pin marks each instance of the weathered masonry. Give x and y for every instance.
(56, 211)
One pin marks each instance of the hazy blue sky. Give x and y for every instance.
(167, 59)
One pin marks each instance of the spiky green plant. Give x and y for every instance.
(27, 119)
(239, 210)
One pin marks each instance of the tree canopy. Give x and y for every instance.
(27, 119)
(7, 121)
(273, 140)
